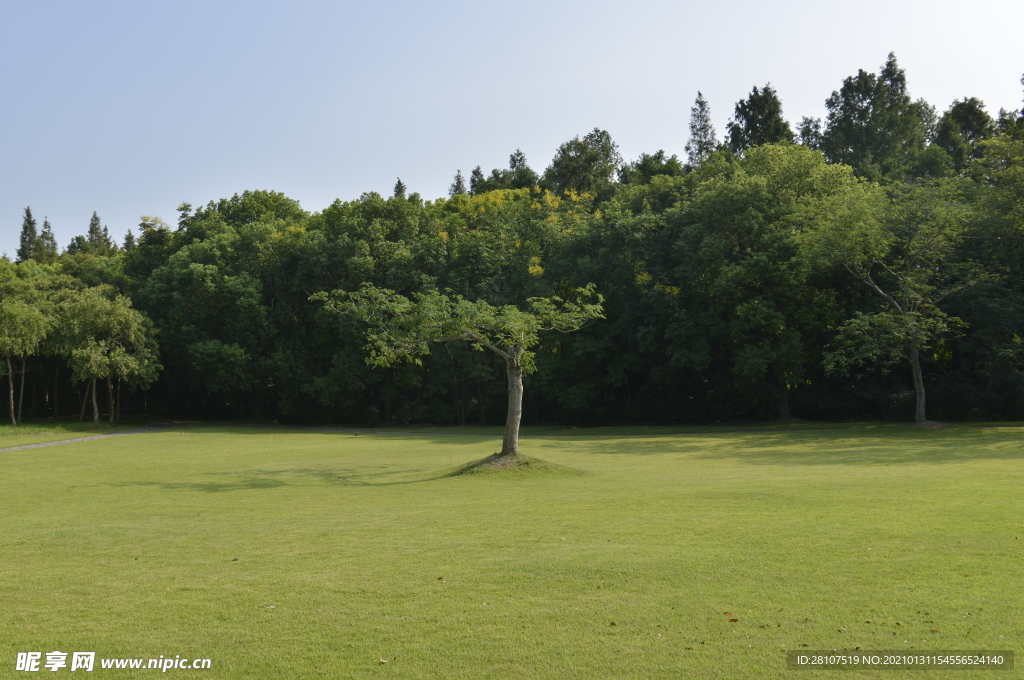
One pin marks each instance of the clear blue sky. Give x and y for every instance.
(130, 108)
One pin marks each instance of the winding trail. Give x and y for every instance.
(138, 430)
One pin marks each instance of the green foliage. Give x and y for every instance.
(400, 329)
(736, 263)
(703, 141)
(649, 166)
(24, 322)
(458, 185)
(242, 209)
(729, 283)
(584, 165)
(155, 244)
(476, 181)
(904, 247)
(873, 126)
(961, 130)
(105, 337)
(518, 176)
(809, 132)
(881, 339)
(1011, 122)
(95, 270)
(758, 120)
(22, 327)
(1000, 169)
(96, 241)
(29, 237)
(46, 246)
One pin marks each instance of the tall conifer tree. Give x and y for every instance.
(810, 132)
(521, 175)
(458, 185)
(758, 120)
(703, 141)
(962, 128)
(476, 180)
(29, 236)
(873, 125)
(95, 233)
(46, 246)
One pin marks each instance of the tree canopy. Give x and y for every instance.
(400, 329)
(878, 258)
(758, 120)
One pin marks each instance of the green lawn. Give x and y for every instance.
(287, 554)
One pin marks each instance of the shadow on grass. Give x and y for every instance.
(528, 431)
(353, 477)
(325, 477)
(895, 446)
(260, 479)
(275, 479)
(210, 487)
(340, 436)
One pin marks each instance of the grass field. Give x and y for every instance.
(288, 554)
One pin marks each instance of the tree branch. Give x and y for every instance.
(866, 278)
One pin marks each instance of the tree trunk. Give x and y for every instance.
(915, 367)
(95, 406)
(35, 394)
(117, 400)
(783, 393)
(462, 402)
(85, 400)
(56, 384)
(110, 399)
(514, 371)
(482, 393)
(21, 392)
(385, 392)
(10, 384)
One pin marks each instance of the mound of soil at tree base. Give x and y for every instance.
(497, 463)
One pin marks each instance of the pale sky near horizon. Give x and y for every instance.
(130, 108)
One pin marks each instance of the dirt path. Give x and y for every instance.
(138, 430)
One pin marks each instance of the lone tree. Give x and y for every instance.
(400, 329)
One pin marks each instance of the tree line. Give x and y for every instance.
(867, 265)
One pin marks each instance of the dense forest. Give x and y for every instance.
(832, 269)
